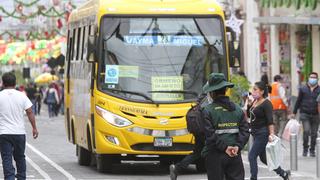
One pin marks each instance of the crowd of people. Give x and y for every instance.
(52, 96)
(265, 112)
(225, 126)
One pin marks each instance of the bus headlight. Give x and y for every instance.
(113, 118)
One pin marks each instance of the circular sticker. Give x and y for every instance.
(112, 72)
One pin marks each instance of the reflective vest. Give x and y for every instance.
(226, 123)
(275, 98)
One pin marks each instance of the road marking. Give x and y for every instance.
(35, 166)
(55, 165)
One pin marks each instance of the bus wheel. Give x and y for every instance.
(104, 162)
(84, 156)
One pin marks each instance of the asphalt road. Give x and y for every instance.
(51, 156)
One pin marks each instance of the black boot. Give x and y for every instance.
(312, 153)
(305, 152)
(286, 175)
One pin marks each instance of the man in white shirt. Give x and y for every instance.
(13, 103)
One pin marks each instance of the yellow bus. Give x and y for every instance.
(133, 69)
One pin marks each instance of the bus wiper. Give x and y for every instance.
(176, 91)
(134, 93)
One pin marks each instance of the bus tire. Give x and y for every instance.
(104, 163)
(84, 156)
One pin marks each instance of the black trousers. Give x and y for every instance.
(222, 167)
(195, 156)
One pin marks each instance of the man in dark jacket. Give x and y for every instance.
(195, 156)
(309, 115)
(226, 132)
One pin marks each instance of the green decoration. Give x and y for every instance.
(274, 3)
(265, 3)
(27, 4)
(280, 3)
(313, 4)
(305, 3)
(287, 3)
(307, 68)
(297, 4)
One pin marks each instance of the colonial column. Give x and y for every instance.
(275, 59)
(316, 49)
(294, 69)
(251, 42)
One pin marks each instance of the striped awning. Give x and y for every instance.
(287, 20)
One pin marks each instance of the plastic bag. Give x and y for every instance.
(292, 127)
(274, 153)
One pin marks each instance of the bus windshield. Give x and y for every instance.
(163, 60)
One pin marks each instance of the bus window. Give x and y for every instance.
(160, 54)
(84, 42)
(79, 44)
(75, 44)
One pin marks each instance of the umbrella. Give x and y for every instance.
(46, 78)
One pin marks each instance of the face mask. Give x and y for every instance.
(313, 81)
(255, 96)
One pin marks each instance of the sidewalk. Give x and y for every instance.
(306, 165)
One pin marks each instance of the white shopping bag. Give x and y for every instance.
(274, 153)
(292, 127)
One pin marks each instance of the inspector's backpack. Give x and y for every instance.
(194, 118)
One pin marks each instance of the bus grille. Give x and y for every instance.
(175, 147)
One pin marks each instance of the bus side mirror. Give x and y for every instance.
(91, 58)
(233, 48)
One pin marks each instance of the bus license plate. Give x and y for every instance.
(162, 142)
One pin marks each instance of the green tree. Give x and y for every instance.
(241, 85)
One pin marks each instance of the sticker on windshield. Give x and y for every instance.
(167, 83)
(168, 40)
(129, 71)
(112, 74)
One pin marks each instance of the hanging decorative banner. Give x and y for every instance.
(235, 24)
(35, 51)
(288, 3)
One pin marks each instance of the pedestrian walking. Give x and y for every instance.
(12, 129)
(226, 132)
(309, 116)
(195, 156)
(265, 79)
(39, 96)
(262, 129)
(280, 105)
(51, 99)
(31, 94)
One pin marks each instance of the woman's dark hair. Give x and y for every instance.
(265, 80)
(8, 79)
(263, 87)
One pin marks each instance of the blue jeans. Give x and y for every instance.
(34, 106)
(51, 109)
(260, 140)
(13, 145)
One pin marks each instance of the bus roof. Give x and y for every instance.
(98, 8)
